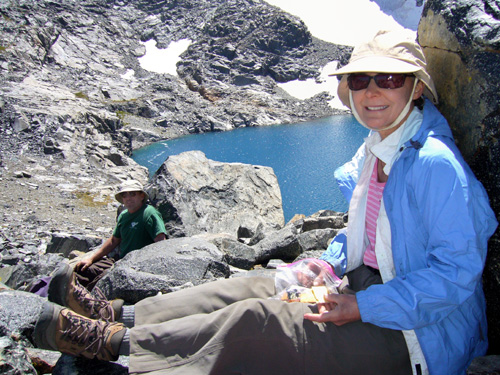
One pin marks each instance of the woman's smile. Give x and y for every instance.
(379, 108)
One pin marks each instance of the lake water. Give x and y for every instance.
(303, 157)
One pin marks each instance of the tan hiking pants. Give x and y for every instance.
(231, 327)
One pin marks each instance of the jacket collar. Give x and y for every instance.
(433, 125)
(389, 149)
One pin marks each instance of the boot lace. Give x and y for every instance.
(97, 306)
(85, 333)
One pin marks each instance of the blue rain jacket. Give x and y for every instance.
(440, 222)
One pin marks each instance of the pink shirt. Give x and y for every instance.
(374, 199)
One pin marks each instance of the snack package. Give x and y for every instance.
(315, 294)
(307, 280)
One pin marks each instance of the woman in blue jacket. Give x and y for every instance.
(429, 233)
(413, 252)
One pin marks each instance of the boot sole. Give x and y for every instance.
(58, 286)
(45, 327)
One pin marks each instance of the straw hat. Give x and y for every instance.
(388, 52)
(130, 185)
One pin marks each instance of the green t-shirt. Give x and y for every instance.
(138, 229)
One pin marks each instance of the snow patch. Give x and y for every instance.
(163, 60)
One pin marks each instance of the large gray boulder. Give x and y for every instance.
(282, 244)
(19, 312)
(197, 195)
(238, 254)
(461, 40)
(316, 239)
(164, 267)
(65, 243)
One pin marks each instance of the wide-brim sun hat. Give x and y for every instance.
(394, 51)
(130, 185)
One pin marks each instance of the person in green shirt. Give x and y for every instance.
(137, 226)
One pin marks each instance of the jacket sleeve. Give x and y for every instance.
(440, 223)
(336, 253)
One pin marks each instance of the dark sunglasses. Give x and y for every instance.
(389, 81)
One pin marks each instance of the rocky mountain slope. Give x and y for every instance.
(75, 101)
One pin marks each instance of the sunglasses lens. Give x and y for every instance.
(358, 82)
(390, 81)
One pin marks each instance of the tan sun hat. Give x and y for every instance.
(130, 185)
(388, 52)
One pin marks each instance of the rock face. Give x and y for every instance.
(488, 365)
(19, 312)
(65, 243)
(71, 71)
(461, 40)
(14, 358)
(196, 195)
(164, 267)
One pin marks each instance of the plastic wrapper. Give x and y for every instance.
(306, 280)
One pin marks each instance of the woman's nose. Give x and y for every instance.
(372, 88)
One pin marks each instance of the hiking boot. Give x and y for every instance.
(61, 329)
(65, 290)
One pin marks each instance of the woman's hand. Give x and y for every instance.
(338, 309)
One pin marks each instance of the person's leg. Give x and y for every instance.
(254, 336)
(58, 328)
(202, 299)
(262, 336)
(356, 348)
(65, 290)
(362, 277)
(245, 337)
(91, 275)
(212, 296)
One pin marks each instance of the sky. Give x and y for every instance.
(347, 22)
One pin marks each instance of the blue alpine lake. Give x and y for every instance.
(303, 157)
